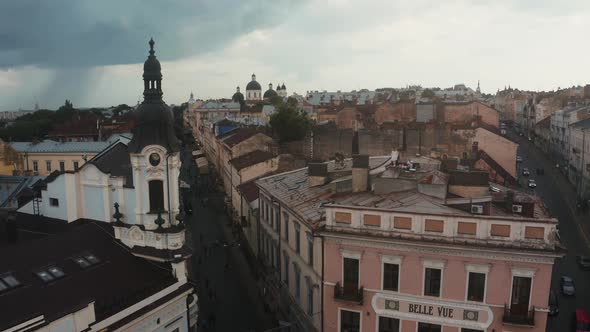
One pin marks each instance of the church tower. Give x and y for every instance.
(155, 230)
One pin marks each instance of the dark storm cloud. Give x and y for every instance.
(86, 33)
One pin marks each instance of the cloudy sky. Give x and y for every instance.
(92, 51)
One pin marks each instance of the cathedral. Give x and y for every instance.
(254, 91)
(131, 187)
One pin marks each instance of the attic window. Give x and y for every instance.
(86, 260)
(8, 281)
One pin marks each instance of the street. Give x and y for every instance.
(560, 198)
(228, 295)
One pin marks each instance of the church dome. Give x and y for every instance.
(270, 93)
(151, 67)
(154, 121)
(253, 85)
(237, 97)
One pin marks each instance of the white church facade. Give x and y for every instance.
(133, 185)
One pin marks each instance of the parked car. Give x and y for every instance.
(582, 320)
(526, 172)
(518, 159)
(567, 286)
(553, 304)
(532, 183)
(583, 262)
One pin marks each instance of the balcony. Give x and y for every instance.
(517, 317)
(348, 294)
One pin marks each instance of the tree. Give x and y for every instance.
(427, 93)
(290, 123)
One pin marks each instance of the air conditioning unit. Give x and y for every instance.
(517, 208)
(477, 209)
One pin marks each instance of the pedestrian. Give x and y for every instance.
(201, 237)
(212, 319)
(226, 267)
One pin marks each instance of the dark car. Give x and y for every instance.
(540, 171)
(526, 172)
(567, 286)
(553, 305)
(583, 262)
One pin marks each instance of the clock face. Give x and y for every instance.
(154, 159)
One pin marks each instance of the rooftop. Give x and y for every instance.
(114, 279)
(250, 159)
(293, 190)
(218, 105)
(49, 146)
(238, 136)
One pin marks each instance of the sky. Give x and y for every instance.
(92, 52)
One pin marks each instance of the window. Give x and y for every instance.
(51, 273)
(476, 286)
(35, 166)
(387, 324)
(350, 321)
(86, 260)
(286, 226)
(48, 165)
(521, 292)
(297, 282)
(310, 249)
(62, 166)
(432, 282)
(156, 188)
(53, 202)
(76, 166)
(309, 296)
(425, 327)
(286, 262)
(350, 281)
(271, 220)
(8, 281)
(297, 238)
(471, 330)
(390, 276)
(277, 220)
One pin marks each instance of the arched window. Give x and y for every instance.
(156, 188)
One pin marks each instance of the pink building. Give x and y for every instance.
(400, 257)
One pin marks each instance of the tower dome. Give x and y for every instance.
(253, 85)
(270, 92)
(238, 97)
(154, 119)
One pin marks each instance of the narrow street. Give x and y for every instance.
(560, 198)
(227, 290)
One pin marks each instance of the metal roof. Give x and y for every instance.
(293, 191)
(49, 146)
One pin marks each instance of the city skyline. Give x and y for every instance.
(308, 45)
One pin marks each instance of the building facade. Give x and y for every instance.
(131, 188)
(43, 158)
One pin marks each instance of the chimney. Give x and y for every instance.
(355, 138)
(317, 174)
(360, 173)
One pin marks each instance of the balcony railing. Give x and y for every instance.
(348, 294)
(524, 318)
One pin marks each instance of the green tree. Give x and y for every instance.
(290, 123)
(427, 93)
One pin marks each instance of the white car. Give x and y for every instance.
(532, 183)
